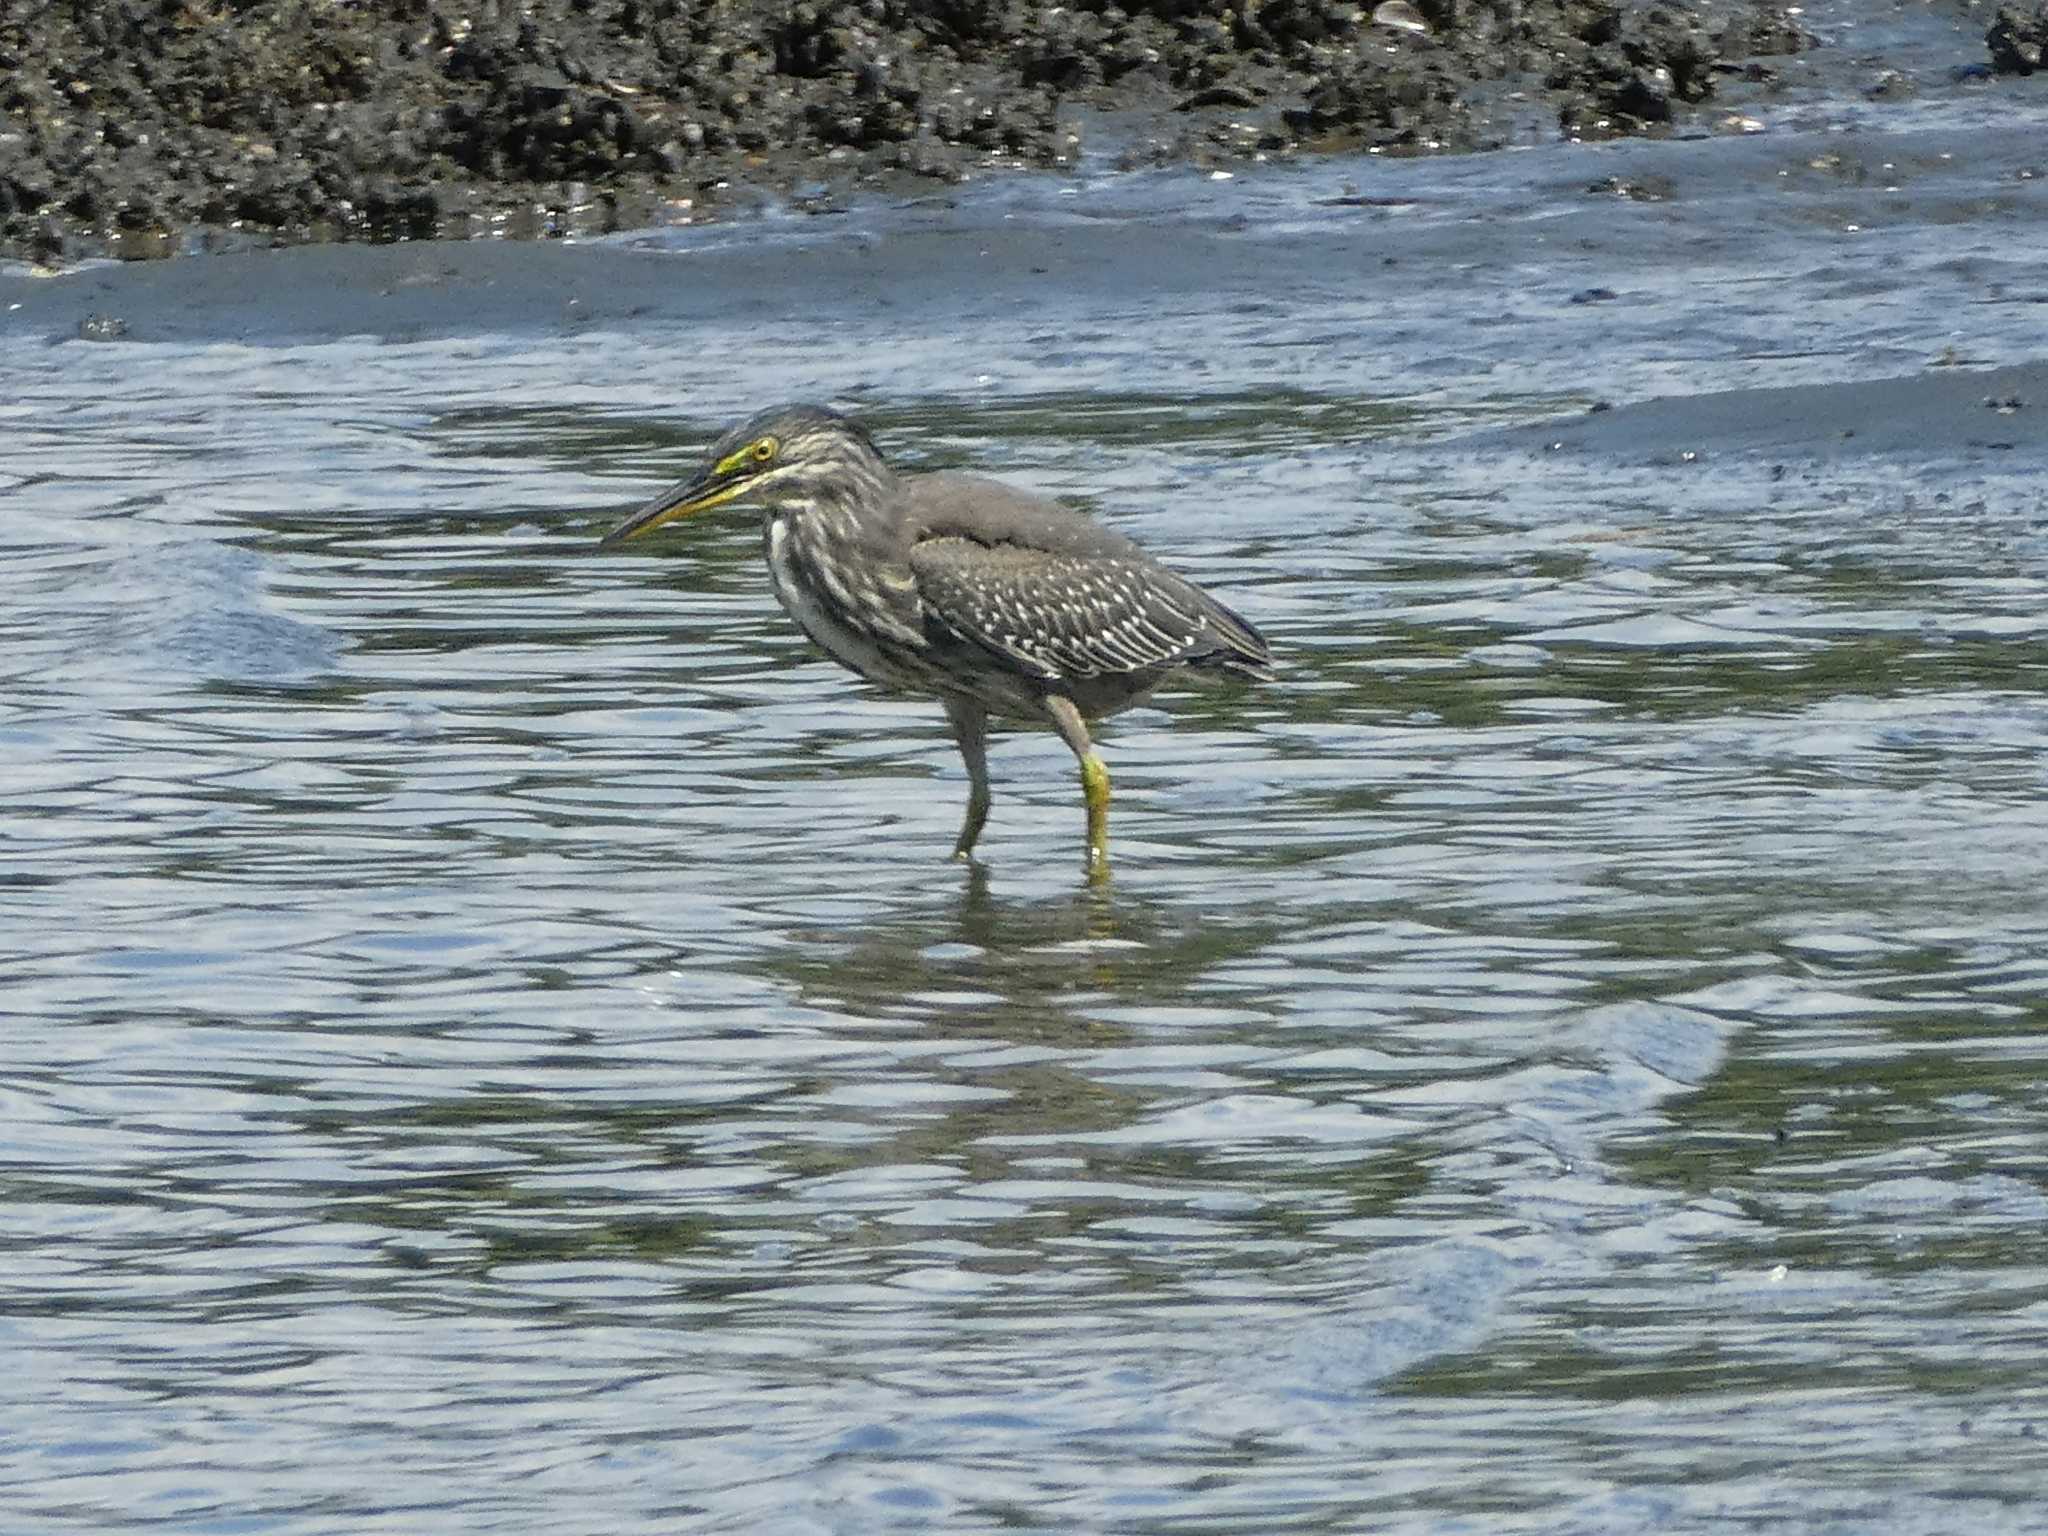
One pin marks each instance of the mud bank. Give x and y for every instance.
(128, 126)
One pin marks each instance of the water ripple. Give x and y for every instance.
(499, 1013)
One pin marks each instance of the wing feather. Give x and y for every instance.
(1060, 615)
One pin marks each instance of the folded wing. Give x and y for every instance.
(1062, 615)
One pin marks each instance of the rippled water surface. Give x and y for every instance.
(490, 1040)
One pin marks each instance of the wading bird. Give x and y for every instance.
(990, 600)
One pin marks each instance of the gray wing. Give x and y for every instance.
(1059, 615)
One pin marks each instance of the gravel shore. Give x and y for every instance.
(130, 127)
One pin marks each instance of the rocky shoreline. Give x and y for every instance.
(126, 127)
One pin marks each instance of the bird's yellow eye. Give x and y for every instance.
(764, 450)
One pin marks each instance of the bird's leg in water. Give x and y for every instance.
(1094, 779)
(1095, 785)
(970, 729)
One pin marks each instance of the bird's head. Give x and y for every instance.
(791, 453)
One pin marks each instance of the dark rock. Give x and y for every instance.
(2018, 40)
(1219, 96)
(1637, 68)
(294, 116)
(1385, 104)
(1643, 189)
(1761, 30)
(1294, 23)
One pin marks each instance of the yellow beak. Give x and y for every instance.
(684, 500)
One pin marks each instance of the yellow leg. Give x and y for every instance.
(1095, 787)
(1094, 780)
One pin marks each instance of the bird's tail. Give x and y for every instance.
(1240, 651)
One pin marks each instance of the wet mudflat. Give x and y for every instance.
(489, 1038)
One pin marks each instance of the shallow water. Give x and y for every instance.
(490, 1038)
